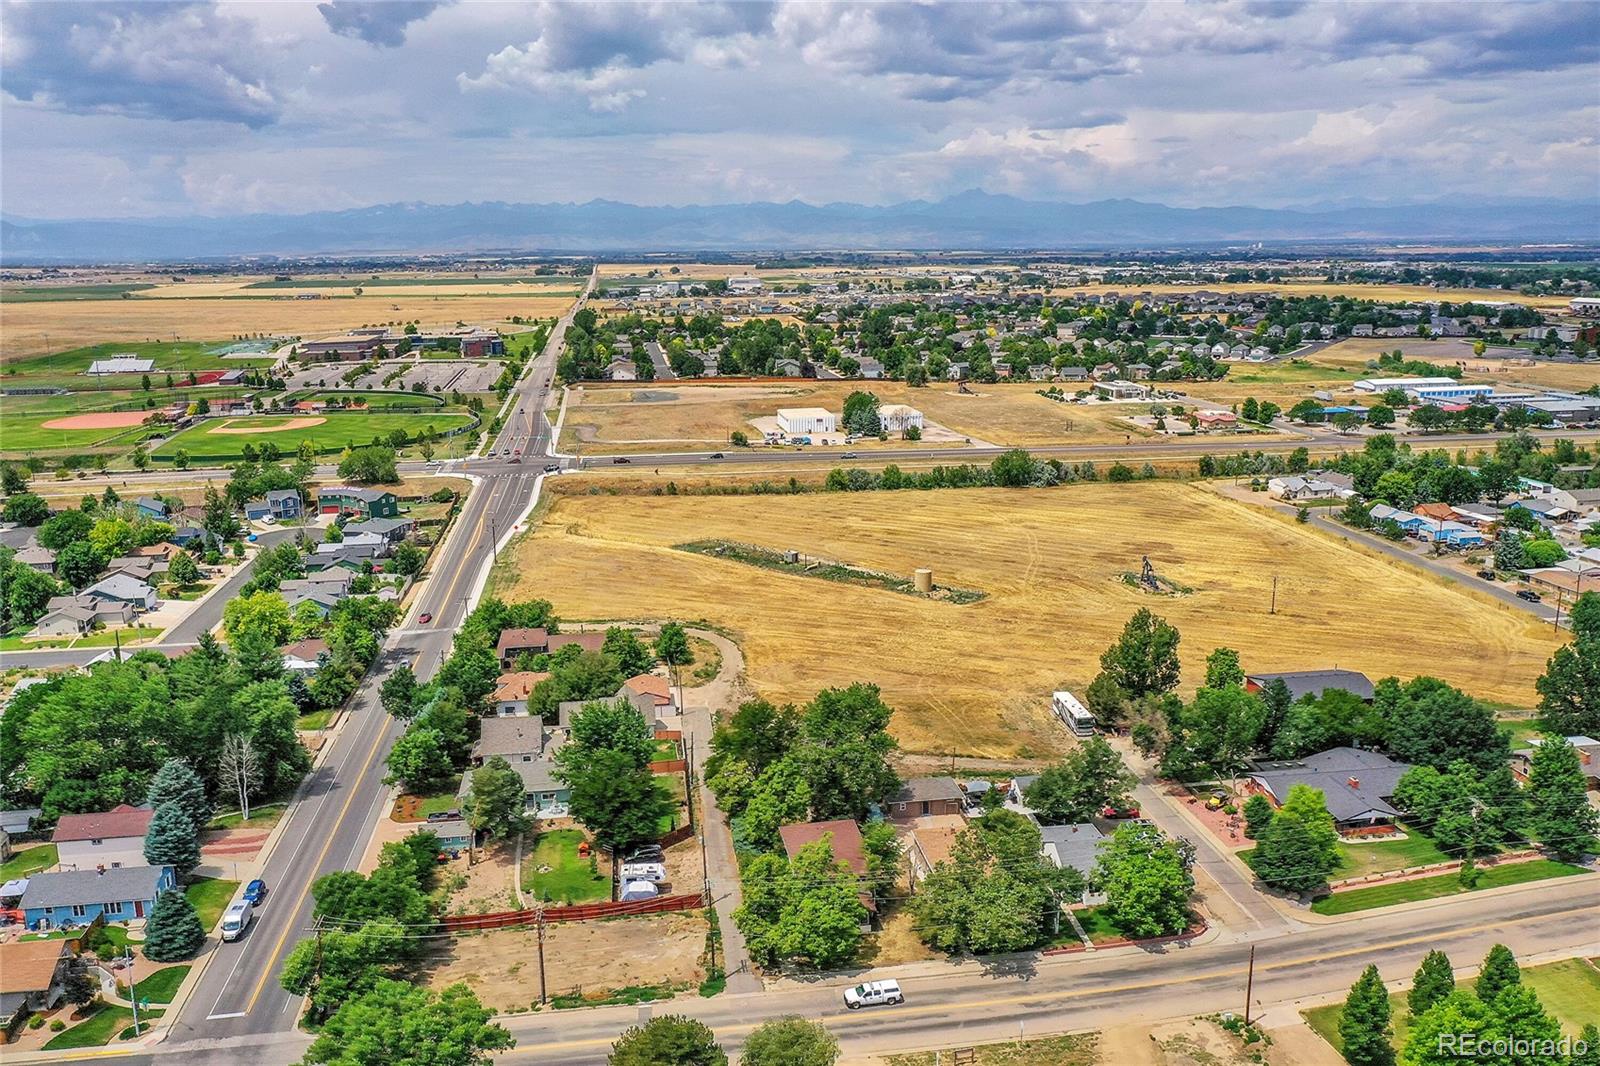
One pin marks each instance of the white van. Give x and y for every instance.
(236, 918)
(654, 872)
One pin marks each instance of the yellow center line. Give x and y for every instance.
(372, 753)
(1132, 986)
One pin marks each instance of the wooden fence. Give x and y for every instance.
(466, 923)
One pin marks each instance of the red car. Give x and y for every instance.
(1119, 812)
(424, 618)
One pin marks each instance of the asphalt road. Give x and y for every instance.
(239, 995)
(955, 1005)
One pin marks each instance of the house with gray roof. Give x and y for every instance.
(124, 588)
(1313, 683)
(925, 796)
(1357, 785)
(529, 748)
(78, 897)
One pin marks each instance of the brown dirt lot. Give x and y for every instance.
(1322, 288)
(502, 966)
(975, 679)
(99, 420)
(692, 417)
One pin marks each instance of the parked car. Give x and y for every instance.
(444, 816)
(1113, 811)
(255, 892)
(1487, 575)
(646, 854)
(654, 872)
(873, 994)
(1529, 595)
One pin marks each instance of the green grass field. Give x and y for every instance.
(541, 281)
(51, 293)
(168, 355)
(96, 1031)
(568, 879)
(1361, 899)
(376, 401)
(210, 896)
(161, 985)
(23, 863)
(1356, 860)
(205, 445)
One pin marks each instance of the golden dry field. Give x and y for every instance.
(1355, 352)
(976, 678)
(616, 419)
(37, 327)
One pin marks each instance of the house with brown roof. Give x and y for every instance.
(844, 837)
(517, 641)
(650, 693)
(33, 977)
(930, 841)
(922, 796)
(105, 840)
(304, 656)
(511, 692)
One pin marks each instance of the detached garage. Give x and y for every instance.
(799, 421)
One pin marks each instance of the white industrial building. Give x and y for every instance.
(1385, 384)
(897, 417)
(800, 421)
(1454, 392)
(744, 283)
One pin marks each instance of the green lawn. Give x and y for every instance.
(376, 401)
(23, 863)
(99, 639)
(1361, 899)
(56, 293)
(161, 985)
(1097, 923)
(1569, 990)
(314, 720)
(204, 444)
(569, 878)
(263, 816)
(210, 896)
(97, 1030)
(666, 750)
(1356, 860)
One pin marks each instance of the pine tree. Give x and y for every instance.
(1364, 1025)
(1257, 816)
(173, 932)
(1562, 819)
(1499, 972)
(1590, 1055)
(172, 839)
(1433, 981)
(177, 781)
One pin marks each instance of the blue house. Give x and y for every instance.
(284, 505)
(78, 897)
(150, 507)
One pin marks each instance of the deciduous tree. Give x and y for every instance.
(670, 1040)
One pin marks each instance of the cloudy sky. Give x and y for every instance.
(148, 108)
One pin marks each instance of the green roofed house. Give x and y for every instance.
(354, 500)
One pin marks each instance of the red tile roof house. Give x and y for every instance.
(651, 694)
(848, 848)
(107, 840)
(510, 696)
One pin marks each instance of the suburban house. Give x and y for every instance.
(323, 590)
(511, 692)
(304, 656)
(389, 531)
(1075, 847)
(1588, 749)
(33, 977)
(923, 796)
(73, 616)
(1313, 683)
(1294, 487)
(651, 694)
(527, 746)
(78, 897)
(844, 837)
(355, 500)
(1357, 785)
(39, 558)
(150, 507)
(538, 641)
(121, 588)
(282, 505)
(106, 840)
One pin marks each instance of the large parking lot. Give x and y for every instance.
(436, 375)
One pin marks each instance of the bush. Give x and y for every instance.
(36, 1022)
(57, 1025)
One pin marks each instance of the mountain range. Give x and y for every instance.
(972, 220)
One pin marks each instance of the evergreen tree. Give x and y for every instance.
(177, 782)
(172, 840)
(1364, 1025)
(1499, 972)
(1258, 815)
(173, 932)
(1278, 699)
(1433, 981)
(1298, 850)
(1590, 1055)
(1561, 818)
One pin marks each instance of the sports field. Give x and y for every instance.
(674, 416)
(23, 419)
(976, 678)
(223, 439)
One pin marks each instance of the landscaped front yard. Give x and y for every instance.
(159, 986)
(416, 808)
(1358, 860)
(210, 896)
(554, 871)
(262, 816)
(1517, 873)
(99, 1028)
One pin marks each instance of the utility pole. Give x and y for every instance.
(688, 777)
(1249, 984)
(543, 998)
(133, 992)
(1274, 608)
